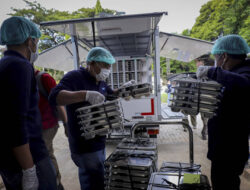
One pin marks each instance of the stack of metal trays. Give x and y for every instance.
(144, 144)
(192, 96)
(136, 90)
(138, 144)
(99, 119)
(164, 181)
(129, 169)
(177, 167)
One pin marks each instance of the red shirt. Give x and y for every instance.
(49, 119)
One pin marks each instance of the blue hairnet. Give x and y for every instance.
(99, 54)
(231, 44)
(15, 30)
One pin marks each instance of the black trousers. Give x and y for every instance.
(226, 175)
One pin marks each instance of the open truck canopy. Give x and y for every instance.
(125, 35)
(182, 48)
(60, 57)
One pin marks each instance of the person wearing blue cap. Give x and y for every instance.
(24, 161)
(80, 88)
(228, 131)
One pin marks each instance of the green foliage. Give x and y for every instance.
(217, 17)
(222, 17)
(180, 67)
(186, 32)
(164, 98)
(98, 7)
(36, 13)
(176, 67)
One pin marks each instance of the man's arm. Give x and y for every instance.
(23, 156)
(62, 113)
(20, 83)
(63, 116)
(65, 97)
(229, 79)
(65, 93)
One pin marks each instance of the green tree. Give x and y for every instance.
(217, 17)
(222, 17)
(98, 7)
(180, 67)
(37, 13)
(186, 32)
(176, 67)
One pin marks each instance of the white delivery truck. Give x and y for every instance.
(133, 41)
(136, 43)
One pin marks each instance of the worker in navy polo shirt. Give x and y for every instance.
(229, 128)
(24, 161)
(80, 88)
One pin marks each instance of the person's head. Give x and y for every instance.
(20, 34)
(230, 51)
(204, 60)
(99, 61)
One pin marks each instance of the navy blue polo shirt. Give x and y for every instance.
(20, 117)
(78, 80)
(228, 131)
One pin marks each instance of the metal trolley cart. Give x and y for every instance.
(171, 174)
(130, 166)
(129, 169)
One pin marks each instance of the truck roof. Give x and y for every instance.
(124, 35)
(182, 48)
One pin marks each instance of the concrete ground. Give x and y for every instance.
(172, 146)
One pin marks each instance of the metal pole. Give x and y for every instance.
(183, 124)
(124, 71)
(112, 77)
(93, 30)
(74, 46)
(135, 66)
(157, 75)
(168, 65)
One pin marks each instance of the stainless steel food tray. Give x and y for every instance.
(136, 90)
(170, 181)
(99, 119)
(192, 96)
(178, 167)
(137, 144)
(164, 181)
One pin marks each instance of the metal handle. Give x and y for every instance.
(184, 124)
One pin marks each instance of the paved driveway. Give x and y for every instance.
(172, 146)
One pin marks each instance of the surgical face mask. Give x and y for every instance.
(33, 55)
(103, 75)
(216, 62)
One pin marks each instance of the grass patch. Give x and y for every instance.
(164, 97)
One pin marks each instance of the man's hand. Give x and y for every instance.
(202, 71)
(94, 97)
(30, 180)
(129, 83)
(66, 129)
